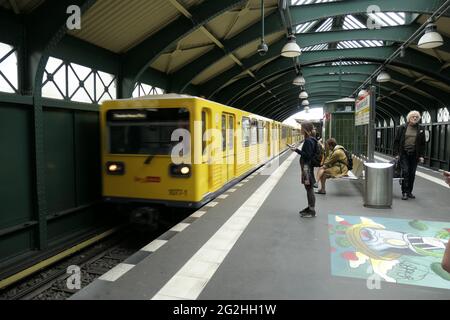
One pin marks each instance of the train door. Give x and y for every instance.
(206, 146)
(228, 146)
(268, 138)
(231, 147)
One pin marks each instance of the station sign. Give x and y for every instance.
(362, 110)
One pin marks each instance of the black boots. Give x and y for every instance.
(407, 196)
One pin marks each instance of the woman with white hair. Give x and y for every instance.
(409, 147)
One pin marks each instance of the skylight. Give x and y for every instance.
(305, 27)
(386, 19)
(352, 44)
(318, 47)
(304, 2)
(326, 26)
(349, 63)
(351, 23)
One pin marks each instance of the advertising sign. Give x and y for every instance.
(362, 111)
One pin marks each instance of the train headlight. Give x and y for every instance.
(115, 168)
(185, 170)
(180, 170)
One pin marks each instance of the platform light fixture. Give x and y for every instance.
(306, 109)
(384, 76)
(303, 95)
(305, 103)
(291, 49)
(299, 80)
(262, 47)
(431, 38)
(362, 93)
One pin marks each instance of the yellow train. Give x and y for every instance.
(182, 151)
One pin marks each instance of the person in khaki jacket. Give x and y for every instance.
(334, 166)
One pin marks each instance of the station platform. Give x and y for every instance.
(252, 244)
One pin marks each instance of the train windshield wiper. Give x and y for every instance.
(149, 159)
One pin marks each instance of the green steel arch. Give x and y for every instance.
(183, 77)
(315, 83)
(300, 14)
(402, 104)
(407, 83)
(283, 66)
(138, 59)
(413, 60)
(287, 82)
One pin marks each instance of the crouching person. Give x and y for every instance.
(334, 166)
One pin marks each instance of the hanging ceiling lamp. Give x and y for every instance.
(306, 109)
(291, 49)
(303, 95)
(299, 80)
(431, 38)
(262, 47)
(383, 76)
(305, 103)
(362, 93)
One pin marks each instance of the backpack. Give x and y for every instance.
(348, 154)
(316, 161)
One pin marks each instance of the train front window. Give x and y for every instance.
(145, 131)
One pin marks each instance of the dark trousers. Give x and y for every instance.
(408, 163)
(308, 174)
(310, 196)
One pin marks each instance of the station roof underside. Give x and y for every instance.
(208, 48)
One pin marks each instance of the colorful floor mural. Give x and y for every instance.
(392, 250)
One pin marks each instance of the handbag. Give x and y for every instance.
(397, 168)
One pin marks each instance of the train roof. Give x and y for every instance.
(186, 96)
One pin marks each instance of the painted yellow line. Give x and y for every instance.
(45, 263)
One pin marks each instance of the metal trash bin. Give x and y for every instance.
(378, 185)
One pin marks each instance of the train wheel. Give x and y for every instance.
(146, 216)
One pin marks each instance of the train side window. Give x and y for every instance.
(224, 132)
(203, 131)
(231, 132)
(245, 131)
(254, 132)
(260, 132)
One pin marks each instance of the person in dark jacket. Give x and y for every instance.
(409, 149)
(307, 153)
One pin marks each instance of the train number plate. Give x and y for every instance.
(177, 192)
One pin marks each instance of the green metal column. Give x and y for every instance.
(45, 29)
(40, 171)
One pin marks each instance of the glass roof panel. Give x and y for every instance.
(326, 26)
(304, 2)
(305, 27)
(385, 19)
(351, 23)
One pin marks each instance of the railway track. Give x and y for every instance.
(51, 283)
(51, 278)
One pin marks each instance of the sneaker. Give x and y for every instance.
(411, 196)
(309, 214)
(405, 196)
(316, 185)
(304, 210)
